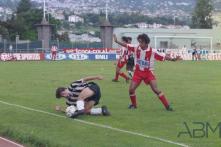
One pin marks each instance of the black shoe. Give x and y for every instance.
(114, 80)
(169, 108)
(77, 113)
(105, 111)
(131, 106)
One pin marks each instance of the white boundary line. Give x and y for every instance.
(11, 142)
(100, 125)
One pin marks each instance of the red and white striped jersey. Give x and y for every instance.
(53, 48)
(123, 54)
(144, 59)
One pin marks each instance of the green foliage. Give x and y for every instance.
(4, 31)
(123, 19)
(202, 15)
(24, 6)
(23, 23)
(63, 37)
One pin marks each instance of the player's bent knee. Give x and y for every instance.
(157, 91)
(131, 91)
(87, 92)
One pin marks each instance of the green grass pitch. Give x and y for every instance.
(193, 88)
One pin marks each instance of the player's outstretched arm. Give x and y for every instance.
(168, 58)
(93, 78)
(119, 42)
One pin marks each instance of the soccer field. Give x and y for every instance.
(27, 100)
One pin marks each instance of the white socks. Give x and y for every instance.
(96, 111)
(80, 105)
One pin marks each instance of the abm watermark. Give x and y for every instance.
(200, 130)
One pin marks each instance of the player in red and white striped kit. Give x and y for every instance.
(121, 62)
(130, 60)
(145, 57)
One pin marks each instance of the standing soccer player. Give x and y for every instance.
(144, 65)
(121, 62)
(130, 61)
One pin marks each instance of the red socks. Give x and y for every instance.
(161, 97)
(133, 100)
(123, 75)
(116, 76)
(163, 100)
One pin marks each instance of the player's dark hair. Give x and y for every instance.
(59, 90)
(144, 37)
(124, 38)
(129, 38)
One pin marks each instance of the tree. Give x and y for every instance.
(23, 6)
(23, 22)
(202, 15)
(63, 37)
(4, 31)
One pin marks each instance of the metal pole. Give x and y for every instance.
(106, 10)
(174, 19)
(16, 43)
(43, 45)
(16, 47)
(58, 44)
(4, 45)
(0, 38)
(28, 46)
(44, 9)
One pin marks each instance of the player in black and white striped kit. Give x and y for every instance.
(84, 95)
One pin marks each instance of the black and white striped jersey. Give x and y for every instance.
(75, 88)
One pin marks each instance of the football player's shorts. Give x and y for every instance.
(97, 93)
(145, 76)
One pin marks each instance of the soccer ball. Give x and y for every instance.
(70, 111)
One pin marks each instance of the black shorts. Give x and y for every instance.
(97, 93)
(130, 62)
(194, 52)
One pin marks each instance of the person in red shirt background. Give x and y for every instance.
(53, 52)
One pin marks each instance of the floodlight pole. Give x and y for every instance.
(106, 10)
(44, 9)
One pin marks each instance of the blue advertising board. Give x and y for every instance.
(74, 56)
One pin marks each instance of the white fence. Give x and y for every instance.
(200, 55)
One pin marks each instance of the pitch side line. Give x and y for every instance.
(9, 141)
(99, 125)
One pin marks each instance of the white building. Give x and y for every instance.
(57, 14)
(75, 18)
(83, 37)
